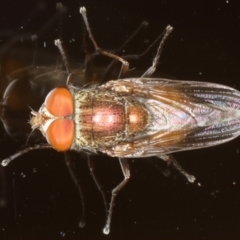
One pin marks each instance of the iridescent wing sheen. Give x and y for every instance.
(184, 115)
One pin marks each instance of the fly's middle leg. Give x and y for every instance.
(125, 64)
(101, 188)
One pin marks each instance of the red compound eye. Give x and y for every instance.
(60, 134)
(59, 102)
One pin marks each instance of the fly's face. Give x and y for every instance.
(55, 119)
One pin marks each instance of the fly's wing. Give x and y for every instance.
(187, 115)
(224, 103)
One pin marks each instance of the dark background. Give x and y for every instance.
(41, 201)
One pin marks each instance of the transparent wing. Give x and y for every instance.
(184, 115)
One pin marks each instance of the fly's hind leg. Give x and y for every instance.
(109, 210)
(152, 69)
(125, 64)
(126, 173)
(170, 159)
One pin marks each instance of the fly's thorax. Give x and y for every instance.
(104, 118)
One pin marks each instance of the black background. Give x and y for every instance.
(42, 201)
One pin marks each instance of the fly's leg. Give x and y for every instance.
(109, 210)
(6, 161)
(170, 159)
(111, 66)
(152, 69)
(139, 56)
(136, 56)
(100, 187)
(125, 64)
(77, 182)
(109, 69)
(126, 172)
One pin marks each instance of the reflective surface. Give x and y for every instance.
(41, 199)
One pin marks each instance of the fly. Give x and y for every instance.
(136, 117)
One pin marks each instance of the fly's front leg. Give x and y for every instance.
(126, 172)
(125, 64)
(170, 159)
(6, 161)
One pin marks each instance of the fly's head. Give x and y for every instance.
(55, 119)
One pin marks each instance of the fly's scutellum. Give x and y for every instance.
(136, 117)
